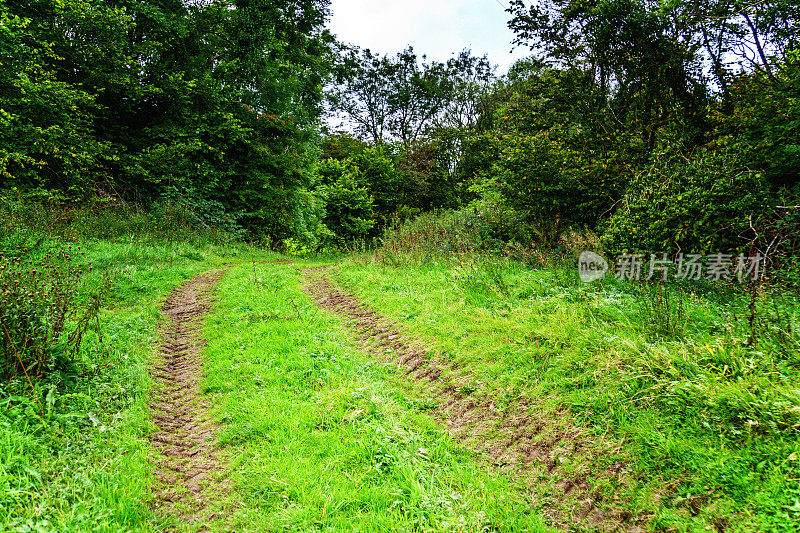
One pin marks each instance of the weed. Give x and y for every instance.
(663, 310)
(44, 314)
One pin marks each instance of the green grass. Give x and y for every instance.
(319, 437)
(315, 435)
(709, 425)
(73, 452)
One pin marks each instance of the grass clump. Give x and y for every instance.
(663, 310)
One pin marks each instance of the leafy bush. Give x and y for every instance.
(700, 204)
(348, 203)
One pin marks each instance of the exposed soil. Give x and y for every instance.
(519, 436)
(185, 434)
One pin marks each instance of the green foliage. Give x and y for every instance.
(542, 154)
(389, 97)
(46, 143)
(549, 182)
(701, 204)
(348, 204)
(213, 104)
(764, 125)
(396, 177)
(377, 170)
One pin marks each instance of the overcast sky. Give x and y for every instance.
(436, 28)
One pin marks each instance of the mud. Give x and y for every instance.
(185, 436)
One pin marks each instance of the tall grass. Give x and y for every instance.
(25, 223)
(431, 235)
(477, 230)
(698, 379)
(663, 310)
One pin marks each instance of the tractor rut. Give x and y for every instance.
(184, 435)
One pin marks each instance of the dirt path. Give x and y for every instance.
(185, 435)
(522, 439)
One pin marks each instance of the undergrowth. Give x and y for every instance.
(479, 230)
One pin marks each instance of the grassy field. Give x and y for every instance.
(319, 437)
(73, 449)
(688, 392)
(667, 378)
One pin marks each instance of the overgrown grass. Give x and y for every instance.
(318, 436)
(481, 228)
(28, 224)
(73, 448)
(697, 382)
(708, 414)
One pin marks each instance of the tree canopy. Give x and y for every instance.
(228, 108)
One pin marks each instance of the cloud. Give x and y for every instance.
(437, 29)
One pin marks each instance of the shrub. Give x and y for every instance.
(44, 312)
(348, 203)
(701, 204)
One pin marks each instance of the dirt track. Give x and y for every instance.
(185, 436)
(521, 439)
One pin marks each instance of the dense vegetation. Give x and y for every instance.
(660, 126)
(144, 141)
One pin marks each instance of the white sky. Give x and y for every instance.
(437, 28)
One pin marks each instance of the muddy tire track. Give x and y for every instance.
(521, 438)
(184, 436)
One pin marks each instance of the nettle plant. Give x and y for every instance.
(44, 312)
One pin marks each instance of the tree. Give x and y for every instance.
(216, 103)
(361, 91)
(396, 97)
(46, 143)
(348, 203)
(648, 76)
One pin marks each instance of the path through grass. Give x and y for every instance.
(706, 422)
(319, 437)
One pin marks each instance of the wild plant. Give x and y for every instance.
(45, 311)
(663, 310)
